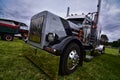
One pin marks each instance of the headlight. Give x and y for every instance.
(51, 37)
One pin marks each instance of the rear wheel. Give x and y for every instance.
(70, 59)
(8, 37)
(2, 37)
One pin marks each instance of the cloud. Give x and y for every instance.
(82, 6)
(23, 10)
(12, 9)
(110, 19)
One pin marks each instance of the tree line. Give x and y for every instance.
(104, 40)
(114, 43)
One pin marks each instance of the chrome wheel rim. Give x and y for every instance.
(73, 60)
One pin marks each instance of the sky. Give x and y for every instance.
(23, 10)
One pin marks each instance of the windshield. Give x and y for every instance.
(77, 21)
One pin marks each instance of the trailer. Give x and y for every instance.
(69, 38)
(9, 28)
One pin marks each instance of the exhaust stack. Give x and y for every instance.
(68, 11)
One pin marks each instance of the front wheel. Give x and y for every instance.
(70, 59)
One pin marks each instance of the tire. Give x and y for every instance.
(70, 59)
(92, 53)
(8, 37)
(2, 37)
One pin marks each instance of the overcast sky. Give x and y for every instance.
(23, 10)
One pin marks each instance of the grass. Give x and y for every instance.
(15, 66)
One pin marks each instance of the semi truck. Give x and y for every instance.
(70, 37)
(9, 28)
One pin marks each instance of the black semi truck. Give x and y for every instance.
(69, 38)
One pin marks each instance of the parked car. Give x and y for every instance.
(9, 28)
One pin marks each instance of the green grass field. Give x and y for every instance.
(15, 66)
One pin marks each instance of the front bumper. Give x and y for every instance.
(52, 50)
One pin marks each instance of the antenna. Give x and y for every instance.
(68, 11)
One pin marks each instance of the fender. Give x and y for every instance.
(60, 47)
